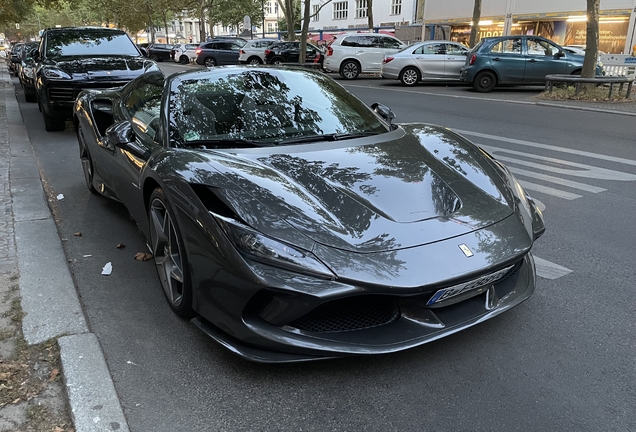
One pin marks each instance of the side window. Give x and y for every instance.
(367, 41)
(391, 43)
(538, 47)
(507, 46)
(234, 47)
(143, 105)
(437, 48)
(351, 41)
(453, 49)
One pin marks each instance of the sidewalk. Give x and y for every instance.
(49, 359)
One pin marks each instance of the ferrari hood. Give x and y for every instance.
(109, 67)
(416, 185)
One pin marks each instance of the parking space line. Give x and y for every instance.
(557, 180)
(549, 147)
(549, 270)
(548, 190)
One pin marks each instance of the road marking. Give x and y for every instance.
(550, 270)
(557, 180)
(549, 147)
(548, 190)
(581, 170)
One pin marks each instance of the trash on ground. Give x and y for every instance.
(78, 234)
(60, 197)
(121, 246)
(86, 256)
(143, 256)
(108, 269)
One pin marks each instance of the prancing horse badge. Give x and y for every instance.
(466, 250)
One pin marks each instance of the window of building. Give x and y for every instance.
(361, 8)
(396, 7)
(272, 27)
(268, 8)
(340, 10)
(314, 12)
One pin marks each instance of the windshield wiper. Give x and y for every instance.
(227, 143)
(326, 137)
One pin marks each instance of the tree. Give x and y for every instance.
(232, 12)
(370, 14)
(421, 17)
(291, 10)
(307, 16)
(591, 40)
(14, 11)
(475, 28)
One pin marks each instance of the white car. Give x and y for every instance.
(351, 55)
(184, 53)
(432, 60)
(253, 52)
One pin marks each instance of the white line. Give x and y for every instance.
(550, 270)
(550, 147)
(582, 170)
(548, 190)
(557, 180)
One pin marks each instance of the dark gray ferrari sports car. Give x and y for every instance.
(292, 222)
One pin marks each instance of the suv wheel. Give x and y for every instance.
(410, 76)
(254, 61)
(484, 82)
(184, 59)
(154, 57)
(209, 62)
(350, 70)
(278, 61)
(52, 124)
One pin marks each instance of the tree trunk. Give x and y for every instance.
(291, 20)
(370, 15)
(475, 28)
(305, 30)
(165, 25)
(591, 40)
(420, 17)
(202, 22)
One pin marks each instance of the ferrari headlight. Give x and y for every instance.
(264, 249)
(52, 73)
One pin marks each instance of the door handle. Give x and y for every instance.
(532, 61)
(496, 59)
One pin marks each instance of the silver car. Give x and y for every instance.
(253, 52)
(425, 61)
(184, 53)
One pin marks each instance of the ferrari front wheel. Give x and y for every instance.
(169, 255)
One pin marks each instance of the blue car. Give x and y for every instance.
(517, 60)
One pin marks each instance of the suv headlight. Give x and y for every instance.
(259, 247)
(52, 73)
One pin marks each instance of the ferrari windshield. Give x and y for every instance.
(264, 106)
(89, 42)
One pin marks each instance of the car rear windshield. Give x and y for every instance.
(476, 47)
(89, 43)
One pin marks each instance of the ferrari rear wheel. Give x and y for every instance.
(169, 255)
(86, 160)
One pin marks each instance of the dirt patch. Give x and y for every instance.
(31, 389)
(597, 94)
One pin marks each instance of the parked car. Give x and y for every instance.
(13, 53)
(289, 52)
(72, 59)
(425, 61)
(159, 52)
(351, 55)
(184, 53)
(517, 60)
(253, 52)
(327, 224)
(218, 52)
(26, 73)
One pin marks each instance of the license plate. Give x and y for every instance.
(446, 293)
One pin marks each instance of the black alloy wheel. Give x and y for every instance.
(350, 70)
(278, 61)
(52, 124)
(169, 255)
(254, 61)
(154, 57)
(209, 62)
(410, 76)
(484, 82)
(85, 159)
(184, 59)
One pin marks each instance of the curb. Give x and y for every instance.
(47, 290)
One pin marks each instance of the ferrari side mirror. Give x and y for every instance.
(383, 111)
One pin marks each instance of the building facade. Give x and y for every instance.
(563, 21)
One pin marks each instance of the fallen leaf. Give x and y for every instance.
(143, 256)
(58, 429)
(54, 373)
(78, 234)
(16, 401)
(121, 246)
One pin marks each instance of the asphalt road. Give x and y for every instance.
(563, 360)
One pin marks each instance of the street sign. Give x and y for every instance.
(247, 22)
(17, 26)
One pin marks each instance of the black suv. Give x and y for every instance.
(289, 52)
(217, 52)
(159, 52)
(72, 59)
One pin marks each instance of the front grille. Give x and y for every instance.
(62, 94)
(353, 313)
